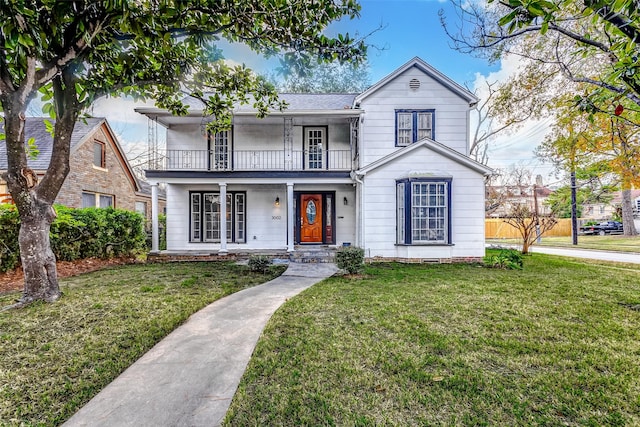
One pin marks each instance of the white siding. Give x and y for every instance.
(467, 207)
(186, 137)
(257, 135)
(266, 223)
(377, 129)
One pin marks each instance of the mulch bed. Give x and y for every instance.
(14, 280)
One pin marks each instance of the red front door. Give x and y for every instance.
(311, 218)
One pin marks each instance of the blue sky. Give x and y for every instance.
(412, 28)
(409, 28)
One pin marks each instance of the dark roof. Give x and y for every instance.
(145, 190)
(35, 128)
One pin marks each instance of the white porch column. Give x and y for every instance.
(290, 217)
(223, 218)
(155, 237)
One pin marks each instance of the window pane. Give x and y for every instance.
(106, 201)
(98, 154)
(424, 125)
(229, 218)
(315, 143)
(400, 213)
(211, 217)
(221, 150)
(88, 200)
(141, 208)
(429, 212)
(405, 128)
(240, 218)
(195, 218)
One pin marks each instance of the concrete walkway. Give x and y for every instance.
(628, 257)
(190, 377)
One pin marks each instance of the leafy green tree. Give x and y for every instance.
(590, 42)
(601, 151)
(560, 200)
(72, 52)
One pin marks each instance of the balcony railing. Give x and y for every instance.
(256, 160)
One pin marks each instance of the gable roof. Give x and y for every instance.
(34, 127)
(434, 146)
(428, 70)
(82, 131)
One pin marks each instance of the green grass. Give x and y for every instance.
(56, 357)
(607, 243)
(555, 344)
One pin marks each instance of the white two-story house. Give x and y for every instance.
(386, 170)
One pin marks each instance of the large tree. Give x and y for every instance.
(595, 148)
(585, 41)
(72, 52)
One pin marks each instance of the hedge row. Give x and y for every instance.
(77, 234)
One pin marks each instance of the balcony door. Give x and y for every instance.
(315, 146)
(219, 151)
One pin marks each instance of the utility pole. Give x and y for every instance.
(537, 213)
(574, 213)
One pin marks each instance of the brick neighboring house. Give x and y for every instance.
(100, 174)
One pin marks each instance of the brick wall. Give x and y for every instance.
(84, 176)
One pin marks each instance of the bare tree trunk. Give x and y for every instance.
(627, 214)
(34, 199)
(38, 260)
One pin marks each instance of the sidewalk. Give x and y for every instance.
(190, 377)
(628, 257)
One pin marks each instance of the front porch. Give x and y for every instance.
(299, 220)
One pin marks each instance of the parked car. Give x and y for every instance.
(603, 228)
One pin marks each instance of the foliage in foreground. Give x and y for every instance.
(508, 259)
(259, 263)
(554, 344)
(56, 357)
(77, 234)
(350, 259)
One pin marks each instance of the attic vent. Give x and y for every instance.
(414, 84)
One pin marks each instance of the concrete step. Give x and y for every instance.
(305, 254)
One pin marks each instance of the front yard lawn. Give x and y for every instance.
(555, 344)
(56, 357)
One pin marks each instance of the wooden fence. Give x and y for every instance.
(496, 228)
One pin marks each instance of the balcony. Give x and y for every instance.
(255, 160)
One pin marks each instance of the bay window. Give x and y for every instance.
(423, 212)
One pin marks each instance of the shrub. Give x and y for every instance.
(9, 227)
(259, 263)
(508, 259)
(162, 225)
(77, 234)
(350, 258)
